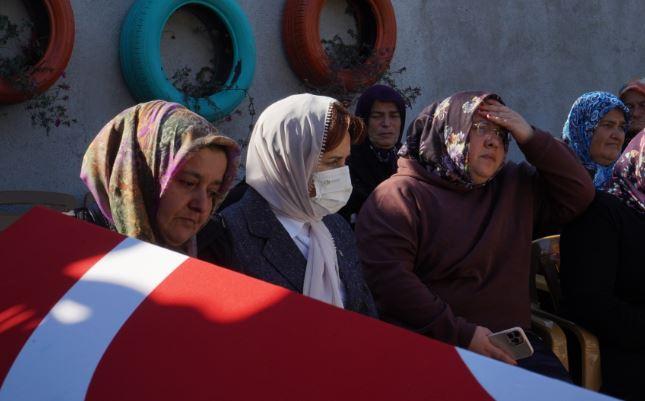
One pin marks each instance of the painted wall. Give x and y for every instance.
(538, 55)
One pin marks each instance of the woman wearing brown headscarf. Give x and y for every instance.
(445, 242)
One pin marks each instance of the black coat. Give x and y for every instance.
(603, 286)
(263, 249)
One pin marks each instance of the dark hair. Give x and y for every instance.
(340, 122)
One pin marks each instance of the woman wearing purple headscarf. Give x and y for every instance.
(373, 161)
(603, 273)
(157, 172)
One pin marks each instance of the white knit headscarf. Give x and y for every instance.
(284, 150)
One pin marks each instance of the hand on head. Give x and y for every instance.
(506, 118)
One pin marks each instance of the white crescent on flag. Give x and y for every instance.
(87, 314)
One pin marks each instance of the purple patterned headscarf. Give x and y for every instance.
(438, 138)
(628, 177)
(128, 165)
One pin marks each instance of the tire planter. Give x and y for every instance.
(53, 63)
(140, 53)
(301, 37)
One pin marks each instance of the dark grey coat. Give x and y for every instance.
(263, 249)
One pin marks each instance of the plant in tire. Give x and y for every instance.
(47, 110)
(346, 55)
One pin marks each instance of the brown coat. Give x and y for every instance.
(441, 259)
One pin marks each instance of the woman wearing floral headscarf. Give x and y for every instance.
(603, 273)
(285, 226)
(445, 242)
(595, 131)
(157, 171)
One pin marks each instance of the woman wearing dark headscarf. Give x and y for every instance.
(285, 227)
(374, 160)
(157, 171)
(595, 131)
(445, 242)
(603, 273)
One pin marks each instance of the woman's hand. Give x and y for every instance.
(481, 344)
(507, 118)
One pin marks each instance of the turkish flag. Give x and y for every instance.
(86, 313)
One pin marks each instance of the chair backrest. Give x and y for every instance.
(53, 200)
(545, 264)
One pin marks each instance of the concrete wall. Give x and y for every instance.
(538, 55)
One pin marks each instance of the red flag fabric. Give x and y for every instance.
(87, 314)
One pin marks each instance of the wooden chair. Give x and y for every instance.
(53, 200)
(553, 336)
(582, 346)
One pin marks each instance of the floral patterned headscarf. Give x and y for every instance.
(628, 178)
(579, 128)
(439, 137)
(129, 164)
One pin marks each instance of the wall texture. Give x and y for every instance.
(538, 55)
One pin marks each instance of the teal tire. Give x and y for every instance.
(141, 64)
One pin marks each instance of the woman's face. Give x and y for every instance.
(332, 159)
(384, 124)
(335, 158)
(608, 138)
(486, 151)
(187, 202)
(635, 101)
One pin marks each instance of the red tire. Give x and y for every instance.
(301, 38)
(53, 63)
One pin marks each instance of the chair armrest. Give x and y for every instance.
(589, 348)
(553, 336)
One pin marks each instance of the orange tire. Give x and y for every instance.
(301, 37)
(53, 63)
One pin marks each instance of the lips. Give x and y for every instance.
(488, 157)
(188, 220)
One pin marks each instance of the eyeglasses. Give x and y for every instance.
(484, 129)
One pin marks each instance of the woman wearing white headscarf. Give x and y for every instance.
(285, 227)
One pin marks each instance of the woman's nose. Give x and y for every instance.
(492, 140)
(200, 201)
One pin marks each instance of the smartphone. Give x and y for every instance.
(513, 341)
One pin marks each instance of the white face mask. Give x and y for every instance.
(333, 188)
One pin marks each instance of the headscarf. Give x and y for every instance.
(439, 137)
(284, 150)
(374, 165)
(364, 105)
(129, 164)
(637, 84)
(579, 128)
(628, 178)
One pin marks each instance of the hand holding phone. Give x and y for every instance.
(481, 344)
(513, 341)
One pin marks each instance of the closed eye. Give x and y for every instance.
(187, 183)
